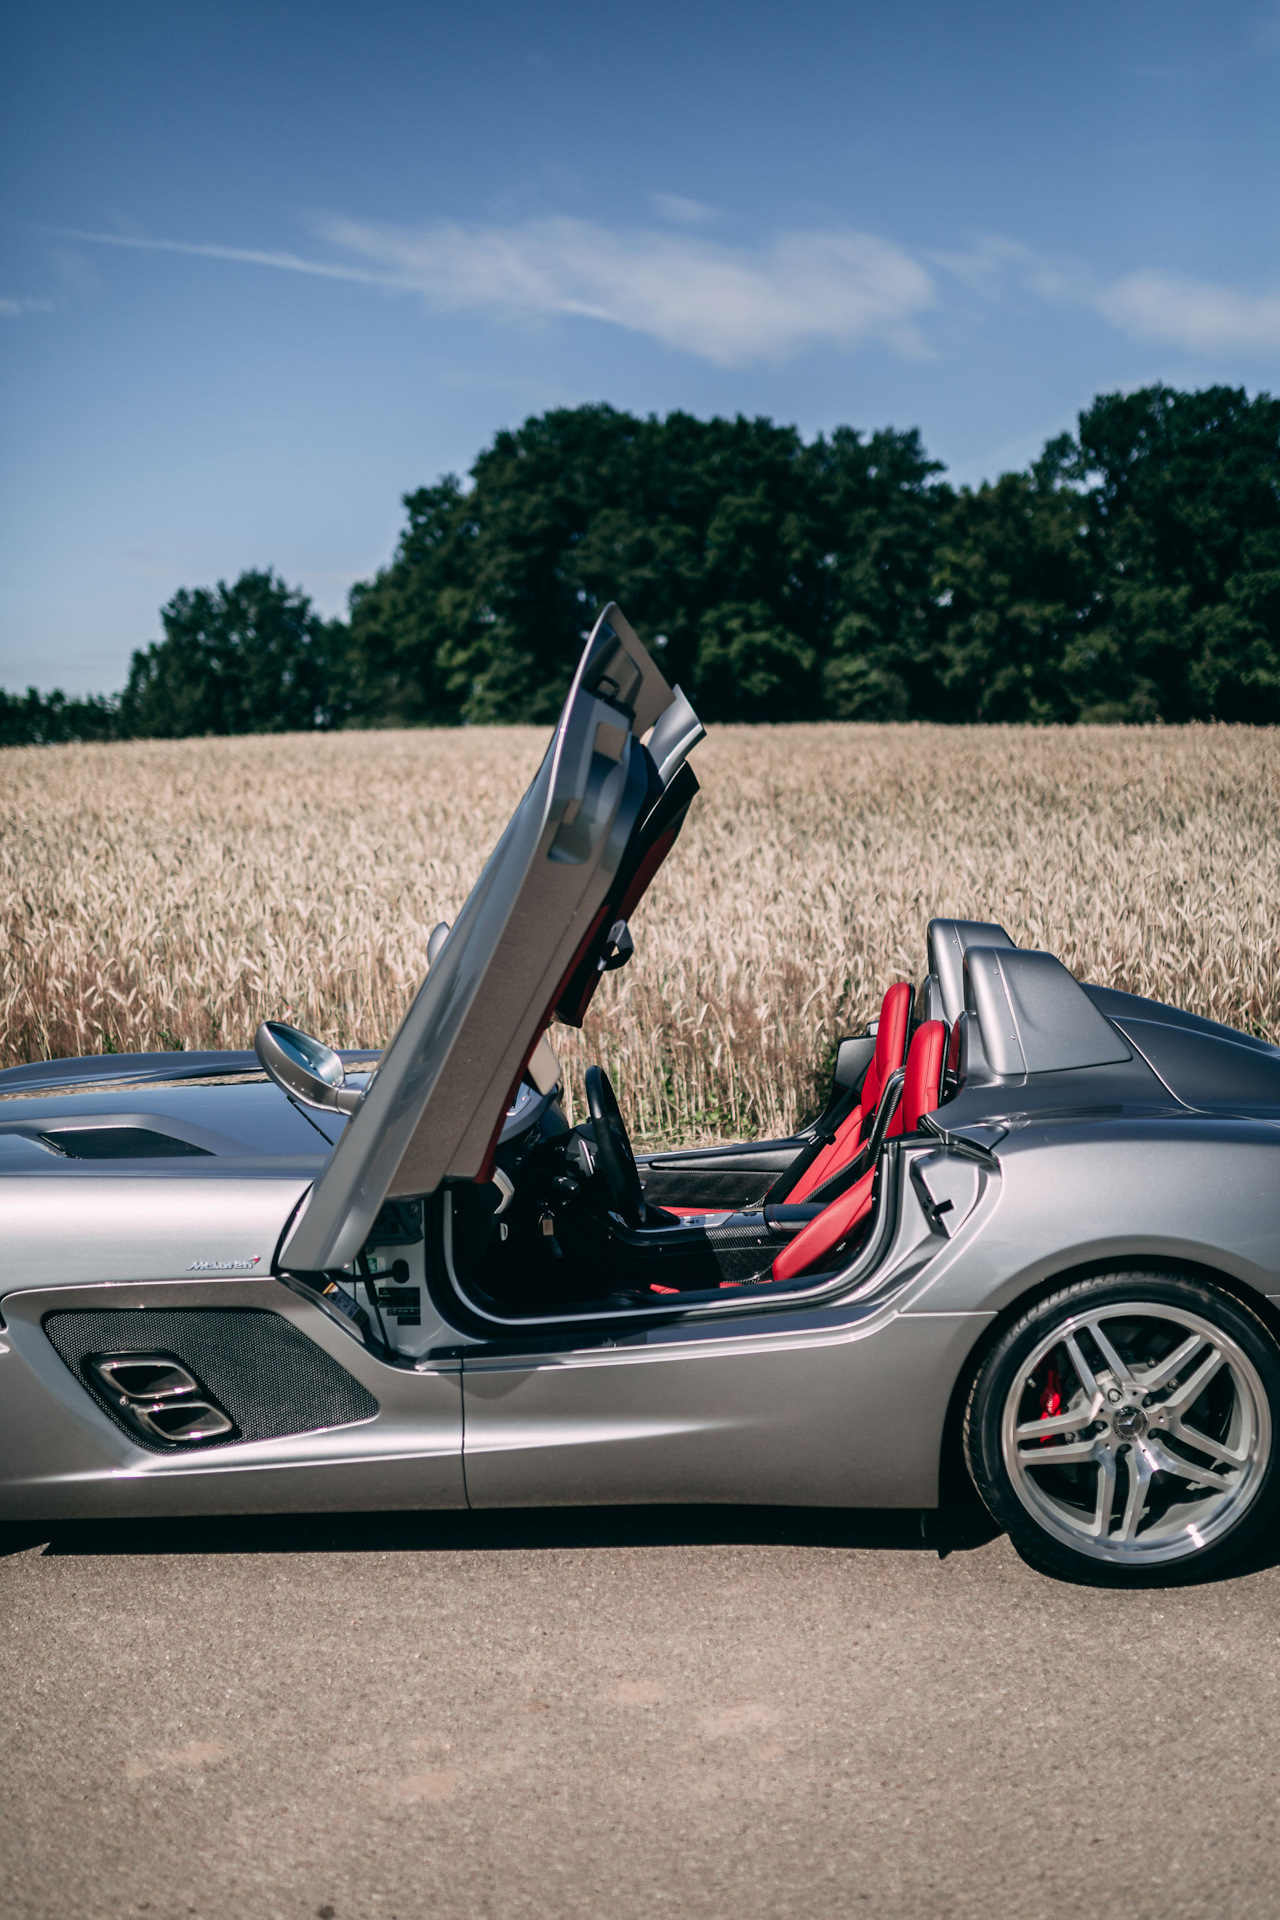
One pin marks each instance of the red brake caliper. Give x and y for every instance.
(1050, 1400)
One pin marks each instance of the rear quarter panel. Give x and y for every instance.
(1199, 1192)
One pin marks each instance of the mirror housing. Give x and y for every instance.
(305, 1068)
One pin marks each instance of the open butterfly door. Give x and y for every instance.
(597, 821)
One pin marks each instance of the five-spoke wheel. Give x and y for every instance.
(1127, 1425)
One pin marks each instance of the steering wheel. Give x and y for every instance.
(614, 1157)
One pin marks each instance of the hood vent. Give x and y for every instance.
(117, 1143)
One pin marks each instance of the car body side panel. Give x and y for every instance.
(1191, 1191)
(62, 1457)
(138, 1069)
(1120, 1007)
(1207, 1070)
(836, 1415)
(74, 1222)
(825, 1401)
(847, 1405)
(828, 1402)
(250, 1116)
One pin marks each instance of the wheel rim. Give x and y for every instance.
(1136, 1433)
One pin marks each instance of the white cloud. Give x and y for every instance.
(1200, 316)
(246, 256)
(992, 262)
(682, 212)
(11, 309)
(983, 268)
(1196, 314)
(736, 305)
(724, 304)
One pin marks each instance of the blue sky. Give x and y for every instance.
(266, 267)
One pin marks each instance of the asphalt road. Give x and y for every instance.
(702, 1713)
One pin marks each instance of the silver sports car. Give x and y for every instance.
(1034, 1236)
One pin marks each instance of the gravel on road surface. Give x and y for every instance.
(689, 1712)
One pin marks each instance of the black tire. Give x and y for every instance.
(1162, 1453)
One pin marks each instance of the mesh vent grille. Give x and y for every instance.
(270, 1378)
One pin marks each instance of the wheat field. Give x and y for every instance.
(174, 893)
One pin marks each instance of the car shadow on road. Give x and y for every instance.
(958, 1529)
(509, 1530)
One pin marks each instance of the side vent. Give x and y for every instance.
(189, 1377)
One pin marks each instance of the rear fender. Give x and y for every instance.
(1134, 1193)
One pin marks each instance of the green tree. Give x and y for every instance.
(1131, 573)
(400, 619)
(46, 719)
(749, 668)
(1184, 507)
(878, 504)
(1013, 598)
(250, 658)
(731, 542)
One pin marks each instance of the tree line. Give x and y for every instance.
(1130, 573)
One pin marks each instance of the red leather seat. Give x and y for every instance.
(920, 1094)
(922, 1088)
(834, 1224)
(891, 1044)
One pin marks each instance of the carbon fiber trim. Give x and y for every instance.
(270, 1378)
(692, 1186)
(743, 1254)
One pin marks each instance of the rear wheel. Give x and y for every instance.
(1125, 1428)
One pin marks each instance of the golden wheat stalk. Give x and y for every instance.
(169, 893)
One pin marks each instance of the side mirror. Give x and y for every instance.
(306, 1069)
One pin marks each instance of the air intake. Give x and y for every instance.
(250, 1365)
(117, 1143)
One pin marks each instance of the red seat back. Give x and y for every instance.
(835, 1223)
(920, 1094)
(921, 1090)
(891, 1044)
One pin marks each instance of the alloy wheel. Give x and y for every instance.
(1136, 1432)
